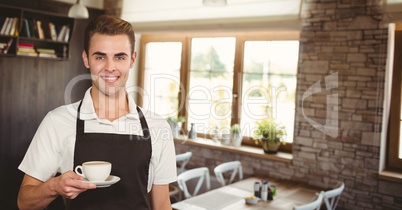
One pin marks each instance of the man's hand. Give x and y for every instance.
(35, 194)
(70, 185)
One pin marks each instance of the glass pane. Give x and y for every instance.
(269, 84)
(271, 57)
(211, 83)
(162, 77)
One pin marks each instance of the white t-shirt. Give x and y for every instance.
(52, 148)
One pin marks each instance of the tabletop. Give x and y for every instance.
(232, 197)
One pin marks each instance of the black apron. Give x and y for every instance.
(130, 156)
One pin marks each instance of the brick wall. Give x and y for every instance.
(337, 130)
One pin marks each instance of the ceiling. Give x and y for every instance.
(162, 15)
(192, 15)
(179, 15)
(162, 10)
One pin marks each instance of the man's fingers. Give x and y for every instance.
(82, 185)
(75, 187)
(77, 181)
(73, 175)
(71, 185)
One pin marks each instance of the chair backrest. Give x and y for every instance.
(315, 205)
(182, 160)
(200, 173)
(331, 197)
(234, 166)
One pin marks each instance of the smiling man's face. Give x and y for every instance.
(109, 60)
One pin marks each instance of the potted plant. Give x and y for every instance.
(235, 135)
(175, 124)
(270, 135)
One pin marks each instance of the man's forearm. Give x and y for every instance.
(36, 196)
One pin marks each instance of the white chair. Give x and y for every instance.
(174, 193)
(331, 197)
(315, 205)
(200, 173)
(182, 160)
(234, 166)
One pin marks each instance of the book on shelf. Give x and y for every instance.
(52, 30)
(2, 45)
(14, 27)
(33, 28)
(67, 34)
(64, 34)
(42, 29)
(9, 43)
(46, 50)
(6, 46)
(62, 31)
(47, 55)
(26, 49)
(41, 33)
(24, 31)
(8, 27)
(32, 54)
(22, 44)
(4, 26)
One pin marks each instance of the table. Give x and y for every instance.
(231, 197)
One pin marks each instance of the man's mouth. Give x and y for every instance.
(110, 78)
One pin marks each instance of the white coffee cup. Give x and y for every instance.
(94, 170)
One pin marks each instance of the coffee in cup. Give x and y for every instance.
(94, 170)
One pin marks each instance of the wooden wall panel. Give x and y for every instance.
(29, 88)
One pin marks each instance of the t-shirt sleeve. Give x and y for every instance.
(41, 159)
(164, 160)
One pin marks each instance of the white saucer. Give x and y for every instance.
(109, 181)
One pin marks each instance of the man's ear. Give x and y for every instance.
(85, 59)
(133, 57)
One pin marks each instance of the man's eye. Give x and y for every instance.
(120, 58)
(99, 58)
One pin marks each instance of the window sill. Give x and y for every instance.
(243, 149)
(391, 176)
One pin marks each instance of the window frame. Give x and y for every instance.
(393, 162)
(185, 39)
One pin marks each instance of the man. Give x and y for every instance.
(106, 125)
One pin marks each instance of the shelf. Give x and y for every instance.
(244, 150)
(30, 33)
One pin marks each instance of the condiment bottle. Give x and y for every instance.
(257, 189)
(264, 191)
(192, 134)
(270, 197)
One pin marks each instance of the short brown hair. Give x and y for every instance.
(108, 25)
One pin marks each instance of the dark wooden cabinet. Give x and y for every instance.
(31, 33)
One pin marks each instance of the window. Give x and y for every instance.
(163, 73)
(217, 80)
(269, 83)
(211, 83)
(394, 146)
